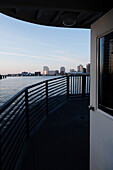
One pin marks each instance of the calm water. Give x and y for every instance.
(12, 85)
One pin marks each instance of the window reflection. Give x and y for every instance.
(106, 73)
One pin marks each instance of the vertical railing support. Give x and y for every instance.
(27, 111)
(47, 97)
(67, 88)
(83, 85)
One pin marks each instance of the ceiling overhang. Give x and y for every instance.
(74, 14)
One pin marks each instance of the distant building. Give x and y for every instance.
(62, 70)
(24, 73)
(56, 72)
(72, 70)
(88, 68)
(51, 73)
(45, 70)
(80, 68)
(38, 73)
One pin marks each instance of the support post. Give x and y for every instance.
(27, 112)
(83, 85)
(47, 97)
(67, 88)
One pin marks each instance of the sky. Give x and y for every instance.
(28, 47)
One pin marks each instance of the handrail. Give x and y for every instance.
(22, 113)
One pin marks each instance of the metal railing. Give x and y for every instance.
(79, 85)
(22, 113)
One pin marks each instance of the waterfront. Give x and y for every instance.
(12, 85)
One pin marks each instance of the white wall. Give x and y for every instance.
(101, 124)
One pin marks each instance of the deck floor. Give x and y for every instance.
(61, 143)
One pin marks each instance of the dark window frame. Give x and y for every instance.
(106, 109)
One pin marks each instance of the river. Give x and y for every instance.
(12, 85)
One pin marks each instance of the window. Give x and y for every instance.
(105, 90)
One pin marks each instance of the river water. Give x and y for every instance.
(12, 85)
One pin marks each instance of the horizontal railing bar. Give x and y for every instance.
(7, 112)
(20, 143)
(61, 77)
(11, 115)
(10, 101)
(11, 130)
(31, 86)
(57, 85)
(74, 75)
(37, 84)
(36, 96)
(57, 88)
(38, 87)
(12, 145)
(16, 155)
(37, 100)
(57, 91)
(36, 92)
(56, 82)
(11, 125)
(6, 146)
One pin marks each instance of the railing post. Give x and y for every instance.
(47, 97)
(67, 88)
(83, 85)
(27, 111)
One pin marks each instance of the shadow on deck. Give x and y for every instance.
(61, 143)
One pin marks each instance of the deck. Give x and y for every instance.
(61, 143)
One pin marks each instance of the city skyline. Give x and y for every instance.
(28, 47)
(48, 71)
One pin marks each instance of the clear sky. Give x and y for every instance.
(28, 47)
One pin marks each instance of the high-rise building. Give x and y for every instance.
(62, 70)
(80, 68)
(45, 70)
(88, 68)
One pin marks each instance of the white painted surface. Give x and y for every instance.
(101, 124)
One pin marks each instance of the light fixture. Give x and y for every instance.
(69, 21)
